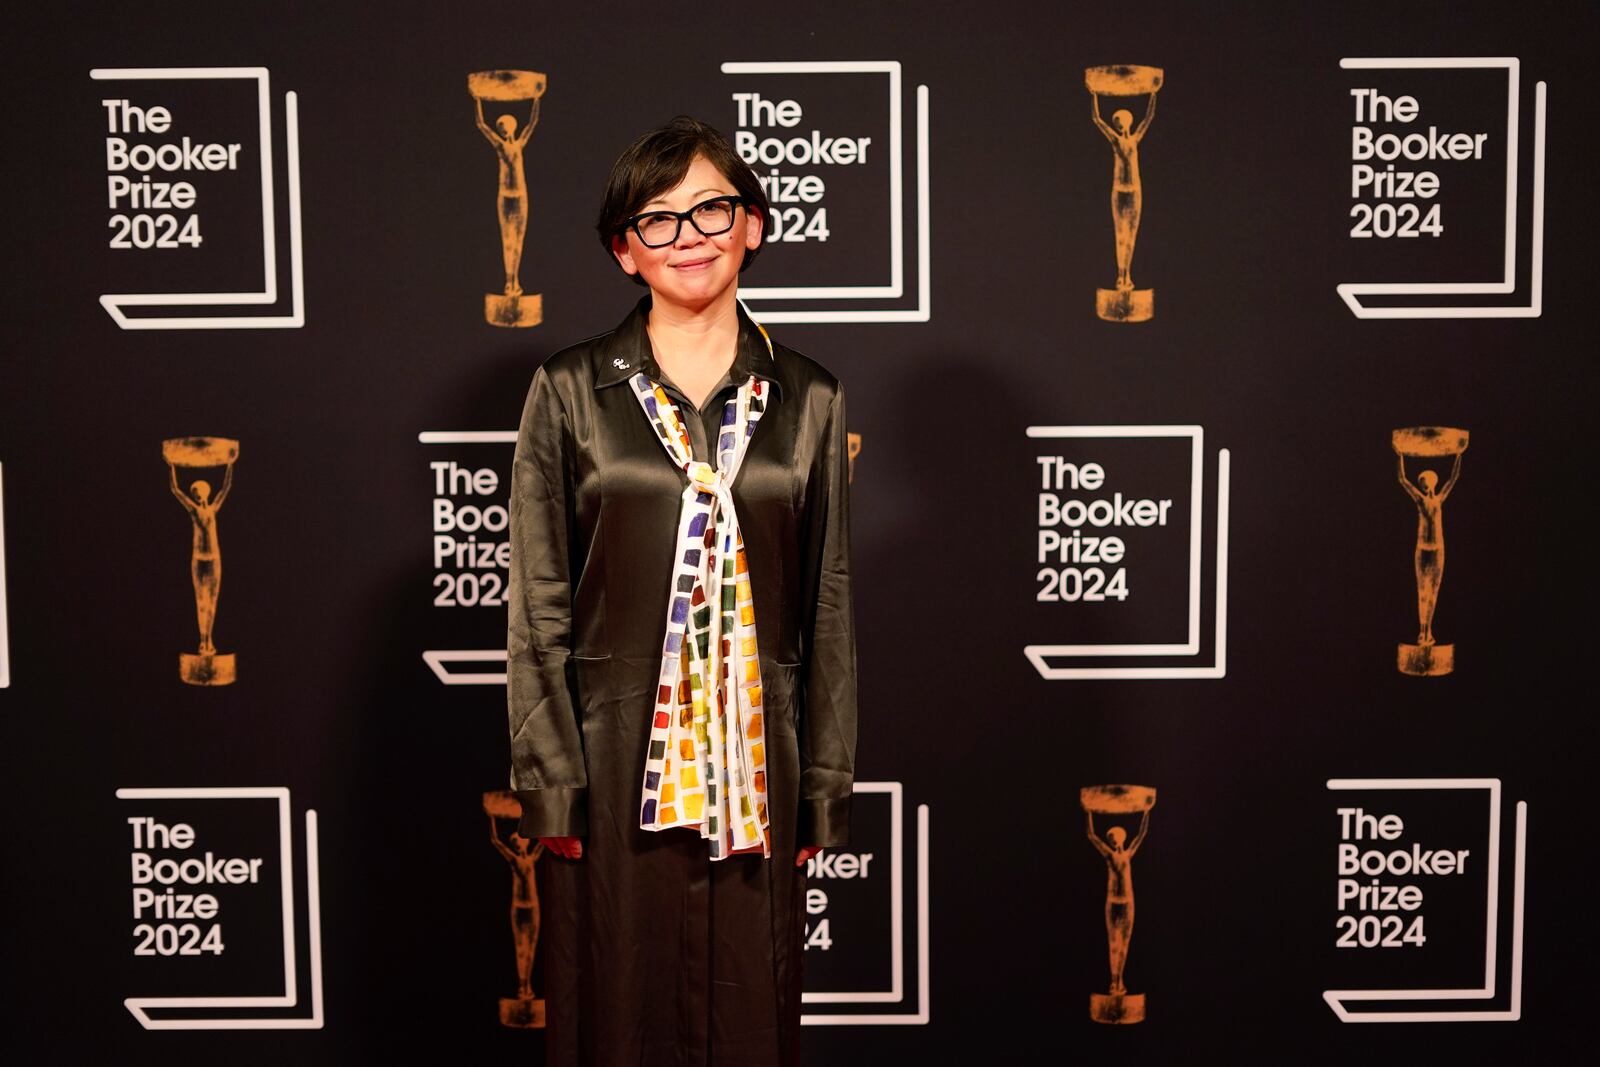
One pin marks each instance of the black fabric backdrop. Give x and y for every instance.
(329, 596)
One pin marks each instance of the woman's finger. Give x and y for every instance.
(569, 848)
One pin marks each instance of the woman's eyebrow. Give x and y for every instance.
(659, 200)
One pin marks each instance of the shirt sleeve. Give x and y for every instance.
(548, 773)
(827, 725)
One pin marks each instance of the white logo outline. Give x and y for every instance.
(1338, 998)
(1039, 654)
(290, 997)
(923, 312)
(5, 644)
(896, 992)
(1350, 292)
(438, 658)
(114, 303)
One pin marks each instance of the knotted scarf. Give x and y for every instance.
(706, 765)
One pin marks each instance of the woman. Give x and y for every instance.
(681, 647)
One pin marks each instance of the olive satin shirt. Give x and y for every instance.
(594, 513)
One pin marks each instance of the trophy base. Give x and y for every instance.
(199, 669)
(1426, 661)
(1116, 1007)
(524, 1013)
(1125, 305)
(502, 310)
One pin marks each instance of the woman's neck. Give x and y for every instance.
(694, 338)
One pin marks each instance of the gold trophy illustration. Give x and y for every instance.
(1427, 657)
(1124, 303)
(207, 666)
(523, 1010)
(512, 307)
(1117, 1005)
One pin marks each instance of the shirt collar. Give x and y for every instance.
(626, 351)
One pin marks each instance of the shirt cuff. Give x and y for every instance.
(824, 822)
(556, 812)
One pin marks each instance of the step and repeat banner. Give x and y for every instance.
(1248, 324)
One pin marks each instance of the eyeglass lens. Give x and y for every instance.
(710, 218)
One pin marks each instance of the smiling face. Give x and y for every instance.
(694, 271)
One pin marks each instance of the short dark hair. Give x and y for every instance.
(657, 162)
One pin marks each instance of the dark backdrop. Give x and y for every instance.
(329, 594)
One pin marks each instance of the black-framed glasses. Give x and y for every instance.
(659, 228)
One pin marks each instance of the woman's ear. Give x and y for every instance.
(756, 229)
(619, 248)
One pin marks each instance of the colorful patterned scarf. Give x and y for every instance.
(706, 766)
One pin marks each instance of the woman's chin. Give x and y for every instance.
(694, 289)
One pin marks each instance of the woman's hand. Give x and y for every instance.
(570, 848)
(805, 854)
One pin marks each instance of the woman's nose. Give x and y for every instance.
(688, 236)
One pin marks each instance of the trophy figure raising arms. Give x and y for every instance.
(1427, 657)
(1117, 1005)
(1124, 303)
(511, 307)
(207, 666)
